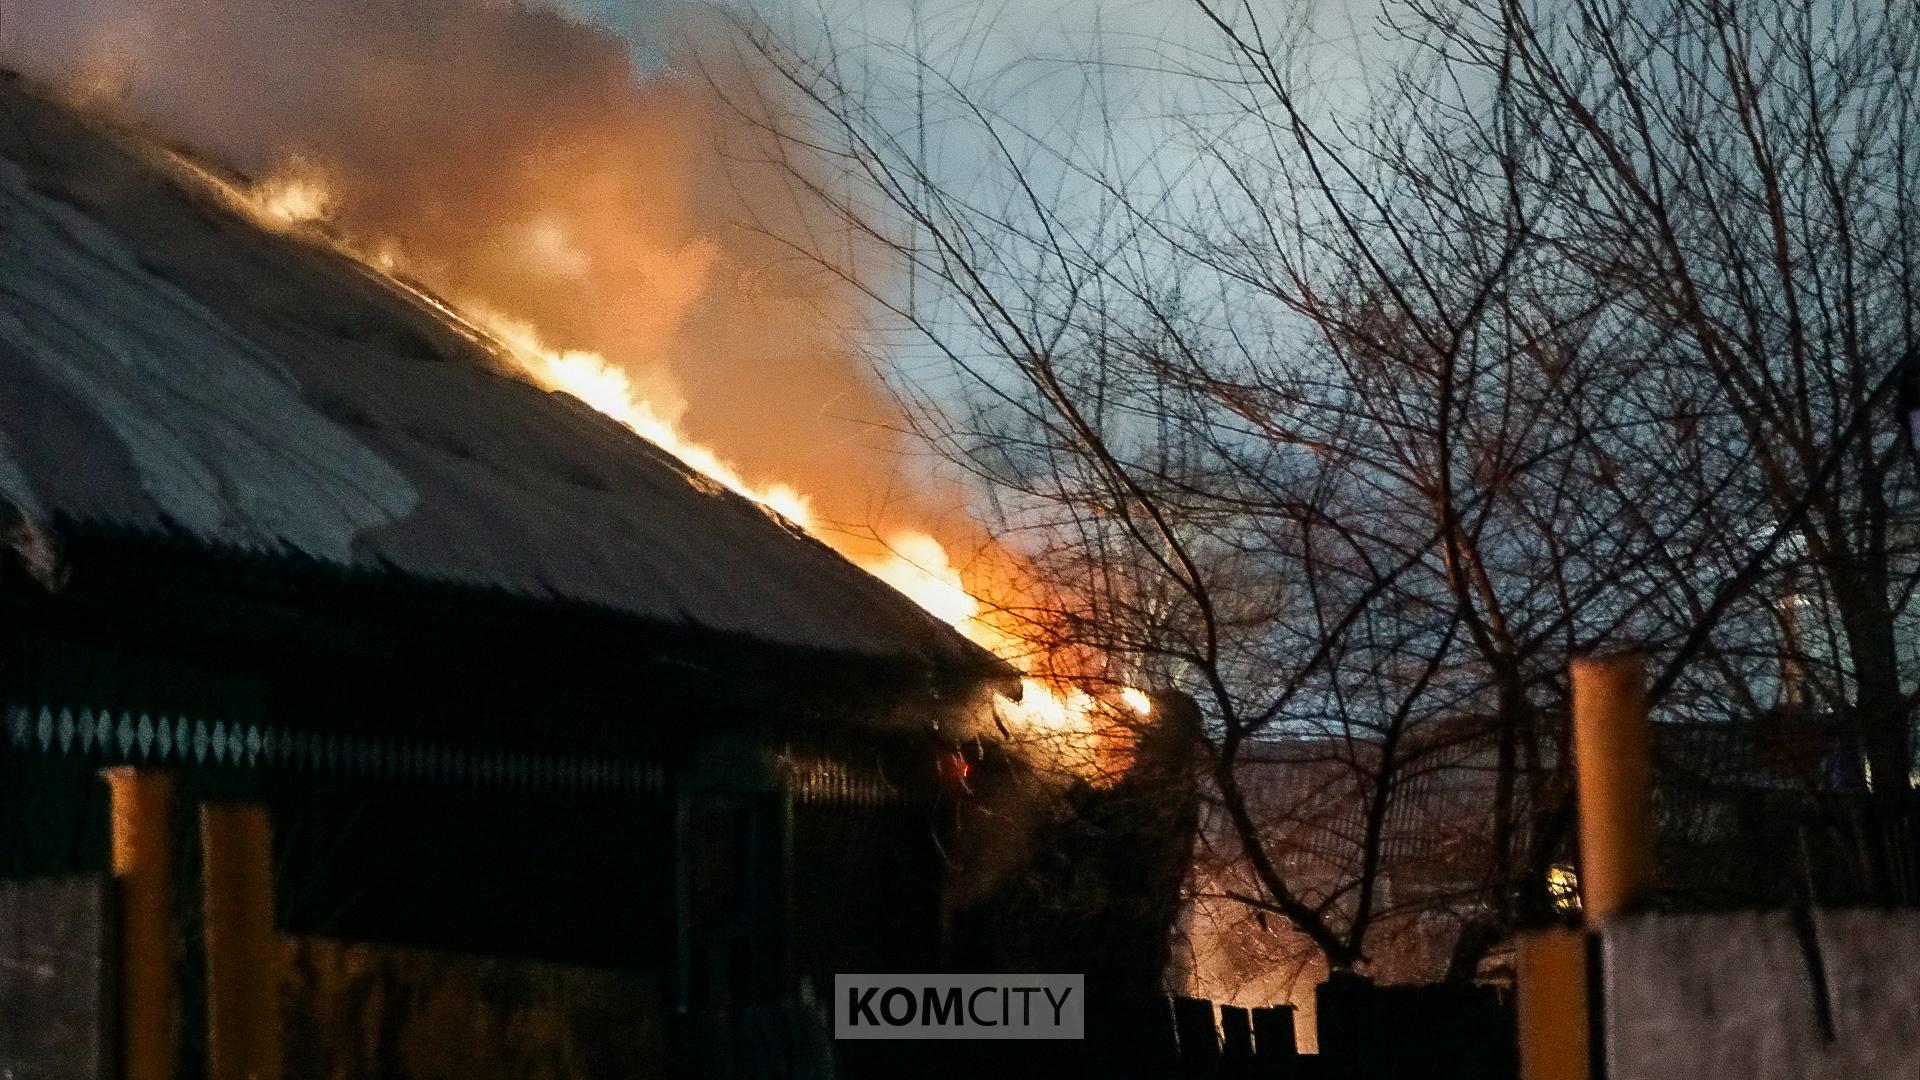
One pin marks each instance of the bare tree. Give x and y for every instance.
(1353, 420)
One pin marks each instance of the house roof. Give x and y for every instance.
(173, 369)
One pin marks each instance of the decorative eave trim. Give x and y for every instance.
(127, 737)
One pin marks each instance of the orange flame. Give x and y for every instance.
(1057, 725)
(1062, 726)
(600, 384)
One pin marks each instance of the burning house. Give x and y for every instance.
(431, 712)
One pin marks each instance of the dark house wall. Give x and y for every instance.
(470, 792)
(580, 878)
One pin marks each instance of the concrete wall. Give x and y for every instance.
(53, 978)
(1749, 997)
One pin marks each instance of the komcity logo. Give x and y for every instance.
(959, 1006)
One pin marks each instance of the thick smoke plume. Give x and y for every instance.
(513, 159)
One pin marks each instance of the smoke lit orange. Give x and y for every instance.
(1059, 726)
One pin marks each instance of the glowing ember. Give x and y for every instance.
(295, 195)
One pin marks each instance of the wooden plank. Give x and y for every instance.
(1236, 1032)
(1193, 1022)
(1273, 1034)
(243, 976)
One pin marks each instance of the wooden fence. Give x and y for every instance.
(1366, 1032)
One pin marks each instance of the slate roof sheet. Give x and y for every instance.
(168, 366)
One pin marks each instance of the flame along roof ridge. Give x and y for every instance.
(170, 366)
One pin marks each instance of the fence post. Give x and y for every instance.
(1551, 1012)
(1614, 770)
(142, 842)
(243, 984)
